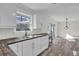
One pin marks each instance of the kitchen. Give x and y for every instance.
(35, 29)
(15, 38)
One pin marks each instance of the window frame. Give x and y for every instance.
(23, 14)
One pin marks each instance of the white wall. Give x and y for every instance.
(8, 10)
(42, 23)
(73, 29)
(7, 17)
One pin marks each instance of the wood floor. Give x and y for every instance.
(62, 47)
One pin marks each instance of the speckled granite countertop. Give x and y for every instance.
(6, 51)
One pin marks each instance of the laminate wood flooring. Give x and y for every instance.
(62, 47)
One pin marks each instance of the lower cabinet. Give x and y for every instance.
(20, 48)
(36, 46)
(44, 42)
(27, 48)
(30, 47)
(14, 48)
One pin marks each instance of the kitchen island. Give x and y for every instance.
(38, 45)
(24, 46)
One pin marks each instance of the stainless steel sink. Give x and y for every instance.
(31, 36)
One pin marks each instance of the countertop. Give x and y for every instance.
(6, 51)
(60, 46)
(20, 39)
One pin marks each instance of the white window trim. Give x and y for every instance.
(21, 13)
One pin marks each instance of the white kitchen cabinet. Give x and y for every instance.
(36, 46)
(44, 43)
(40, 44)
(20, 48)
(27, 48)
(14, 48)
(31, 47)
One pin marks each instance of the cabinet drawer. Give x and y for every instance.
(44, 38)
(27, 42)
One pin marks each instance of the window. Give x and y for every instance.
(23, 23)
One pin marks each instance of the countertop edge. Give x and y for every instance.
(25, 39)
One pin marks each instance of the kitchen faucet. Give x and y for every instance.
(25, 33)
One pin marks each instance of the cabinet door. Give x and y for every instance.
(36, 46)
(20, 48)
(43, 43)
(46, 42)
(14, 48)
(27, 48)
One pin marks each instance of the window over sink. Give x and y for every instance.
(23, 22)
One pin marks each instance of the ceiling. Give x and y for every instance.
(38, 6)
(58, 11)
